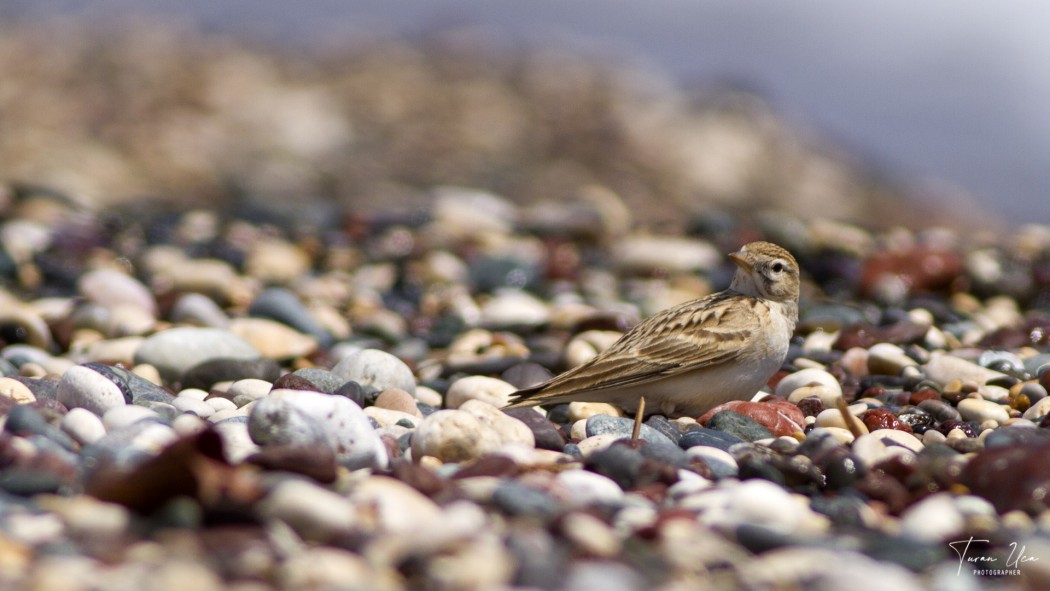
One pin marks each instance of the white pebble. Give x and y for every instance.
(83, 425)
(975, 409)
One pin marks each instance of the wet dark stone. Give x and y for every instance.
(811, 406)
(526, 374)
(666, 453)
(280, 304)
(213, 371)
(968, 428)
(917, 419)
(356, 392)
(547, 435)
(665, 426)
(620, 463)
(758, 538)
(136, 389)
(738, 425)
(844, 511)
(322, 379)
(708, 437)
(883, 418)
(1011, 477)
(841, 468)
(879, 486)
(940, 410)
(519, 500)
(558, 414)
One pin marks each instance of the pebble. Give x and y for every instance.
(295, 417)
(622, 427)
(738, 425)
(122, 416)
(888, 359)
(83, 425)
(196, 309)
(1038, 410)
(580, 411)
(16, 391)
(82, 387)
(809, 377)
(376, 370)
(708, 438)
(175, 351)
(975, 409)
(583, 488)
(934, 519)
(943, 368)
(492, 391)
(833, 418)
(315, 513)
(272, 339)
(193, 405)
(454, 436)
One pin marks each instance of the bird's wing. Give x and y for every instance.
(691, 336)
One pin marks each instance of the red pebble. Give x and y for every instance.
(923, 394)
(882, 418)
(778, 415)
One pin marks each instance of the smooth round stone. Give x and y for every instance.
(706, 437)
(273, 260)
(827, 394)
(623, 427)
(220, 405)
(16, 390)
(583, 488)
(721, 463)
(399, 400)
(399, 508)
(888, 359)
(110, 288)
(82, 387)
(198, 310)
(280, 304)
(596, 443)
(119, 350)
(579, 411)
(733, 503)
(27, 421)
(248, 390)
(1038, 410)
(871, 449)
(296, 416)
(187, 424)
(546, 435)
(237, 444)
(193, 405)
(643, 253)
(195, 393)
(83, 426)
(376, 370)
(123, 416)
(511, 431)
(738, 425)
(272, 339)
(943, 368)
(975, 409)
(833, 418)
(454, 436)
(511, 308)
(323, 379)
(177, 350)
(35, 330)
(492, 391)
(934, 519)
(314, 512)
(806, 377)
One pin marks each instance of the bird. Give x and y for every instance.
(694, 356)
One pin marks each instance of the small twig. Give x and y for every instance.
(850, 420)
(638, 414)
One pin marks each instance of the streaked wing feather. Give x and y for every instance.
(681, 339)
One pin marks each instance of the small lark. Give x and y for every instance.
(697, 355)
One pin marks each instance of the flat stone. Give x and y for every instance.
(943, 368)
(975, 409)
(82, 387)
(623, 427)
(377, 370)
(175, 351)
(738, 425)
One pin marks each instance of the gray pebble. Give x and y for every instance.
(376, 369)
(622, 427)
(175, 351)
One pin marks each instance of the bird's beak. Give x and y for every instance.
(741, 261)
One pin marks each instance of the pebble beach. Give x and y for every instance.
(255, 397)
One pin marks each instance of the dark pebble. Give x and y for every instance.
(208, 373)
(915, 555)
(136, 389)
(708, 437)
(291, 381)
(558, 414)
(322, 379)
(667, 453)
(280, 304)
(811, 406)
(621, 463)
(844, 511)
(968, 428)
(359, 394)
(315, 461)
(940, 410)
(518, 500)
(663, 425)
(1006, 436)
(541, 559)
(547, 435)
(1011, 477)
(42, 388)
(738, 425)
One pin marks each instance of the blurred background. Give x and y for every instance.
(890, 112)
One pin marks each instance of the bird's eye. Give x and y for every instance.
(778, 267)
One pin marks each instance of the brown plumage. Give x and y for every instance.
(694, 356)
